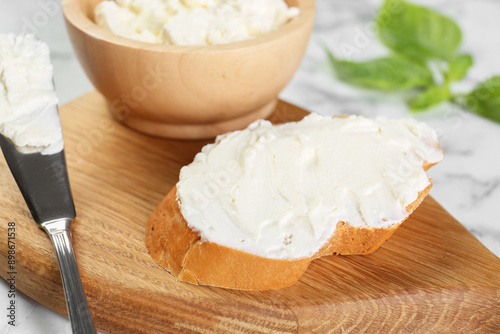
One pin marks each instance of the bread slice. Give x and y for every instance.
(175, 246)
(182, 251)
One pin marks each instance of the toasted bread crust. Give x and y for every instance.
(349, 240)
(179, 249)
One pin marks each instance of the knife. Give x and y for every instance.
(44, 184)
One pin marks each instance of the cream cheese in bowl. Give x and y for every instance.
(193, 22)
(28, 102)
(279, 191)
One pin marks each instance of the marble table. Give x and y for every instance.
(466, 183)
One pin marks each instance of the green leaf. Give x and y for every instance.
(416, 31)
(388, 74)
(430, 97)
(458, 67)
(485, 99)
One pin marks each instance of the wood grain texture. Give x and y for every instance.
(431, 276)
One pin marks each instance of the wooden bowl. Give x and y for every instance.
(188, 92)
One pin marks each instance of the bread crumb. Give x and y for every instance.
(288, 239)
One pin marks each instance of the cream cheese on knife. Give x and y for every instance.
(28, 101)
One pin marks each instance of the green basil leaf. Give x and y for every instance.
(430, 97)
(458, 67)
(485, 99)
(388, 74)
(416, 31)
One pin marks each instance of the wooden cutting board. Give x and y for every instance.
(431, 276)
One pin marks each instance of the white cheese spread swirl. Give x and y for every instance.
(279, 191)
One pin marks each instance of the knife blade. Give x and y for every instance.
(44, 184)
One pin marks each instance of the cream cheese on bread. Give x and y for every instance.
(279, 191)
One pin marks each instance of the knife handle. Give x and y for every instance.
(79, 315)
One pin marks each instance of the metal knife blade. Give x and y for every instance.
(43, 181)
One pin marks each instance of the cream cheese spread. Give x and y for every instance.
(193, 22)
(28, 102)
(279, 191)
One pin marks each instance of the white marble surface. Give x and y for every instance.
(467, 183)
